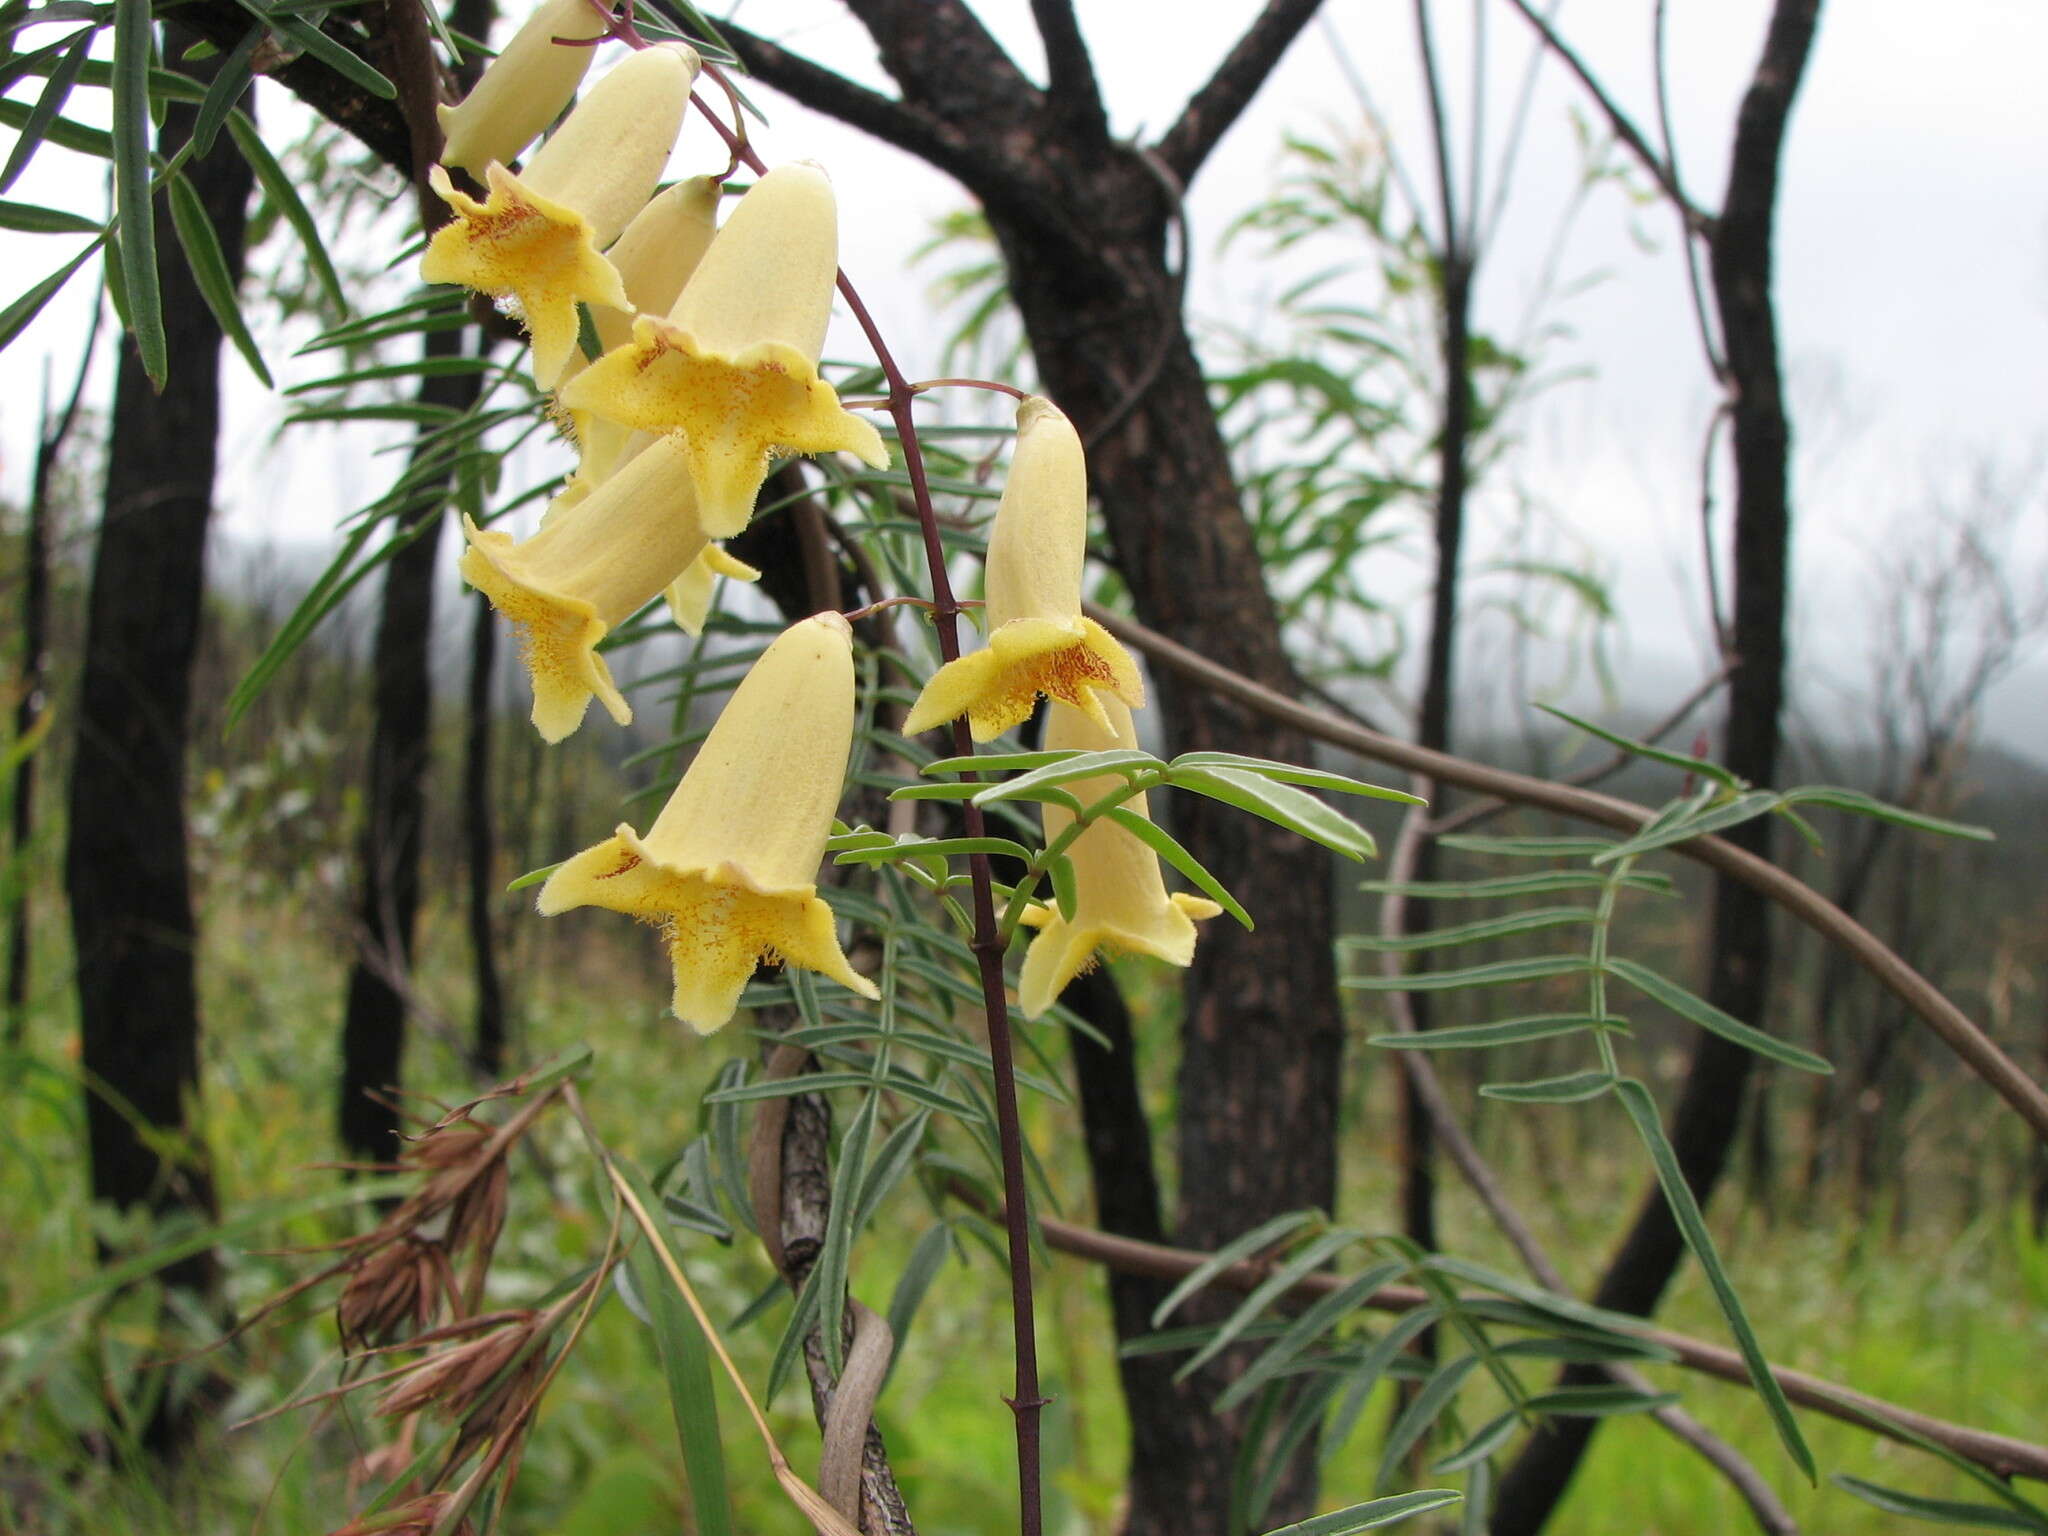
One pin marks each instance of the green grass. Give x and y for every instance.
(1952, 1319)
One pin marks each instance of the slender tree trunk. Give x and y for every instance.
(388, 855)
(1433, 721)
(1739, 948)
(30, 701)
(125, 867)
(487, 1050)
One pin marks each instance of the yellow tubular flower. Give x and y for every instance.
(593, 565)
(1120, 905)
(1038, 641)
(524, 88)
(728, 870)
(733, 368)
(537, 236)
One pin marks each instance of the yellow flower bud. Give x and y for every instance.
(524, 88)
(1039, 642)
(728, 870)
(537, 236)
(733, 368)
(592, 565)
(1120, 900)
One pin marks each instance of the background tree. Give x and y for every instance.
(126, 872)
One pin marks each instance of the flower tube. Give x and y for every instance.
(1121, 905)
(538, 236)
(524, 88)
(1038, 640)
(728, 871)
(733, 368)
(592, 565)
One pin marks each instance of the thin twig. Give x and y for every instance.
(2000, 1454)
(1976, 1049)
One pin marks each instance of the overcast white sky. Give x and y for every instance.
(1912, 288)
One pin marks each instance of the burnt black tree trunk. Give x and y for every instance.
(1739, 952)
(30, 681)
(1083, 222)
(125, 867)
(1456, 261)
(388, 855)
(487, 1046)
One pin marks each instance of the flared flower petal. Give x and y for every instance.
(1039, 642)
(689, 595)
(591, 566)
(537, 237)
(998, 686)
(728, 869)
(524, 88)
(1121, 903)
(733, 368)
(654, 259)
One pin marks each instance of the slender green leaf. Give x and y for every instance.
(45, 118)
(1325, 1313)
(917, 1277)
(789, 1348)
(1532, 921)
(1311, 1256)
(1366, 1517)
(1512, 887)
(1495, 973)
(1237, 1249)
(1078, 765)
(1421, 1413)
(134, 43)
(1642, 1109)
(835, 1254)
(1698, 1010)
(277, 186)
(1679, 829)
(934, 848)
(312, 40)
(1284, 805)
(226, 88)
(1288, 773)
(1276, 1452)
(1482, 1443)
(28, 219)
(1859, 804)
(1161, 842)
(788, 1087)
(1528, 847)
(210, 271)
(1597, 1402)
(996, 762)
(1979, 1517)
(1696, 765)
(686, 1366)
(16, 317)
(1568, 1089)
(1465, 1037)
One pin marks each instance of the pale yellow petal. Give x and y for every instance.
(690, 594)
(952, 690)
(733, 413)
(658, 252)
(1058, 953)
(523, 245)
(608, 155)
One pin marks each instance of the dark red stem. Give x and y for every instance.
(988, 947)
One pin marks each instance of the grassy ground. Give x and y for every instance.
(1950, 1319)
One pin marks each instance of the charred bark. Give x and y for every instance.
(125, 869)
(1739, 946)
(479, 826)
